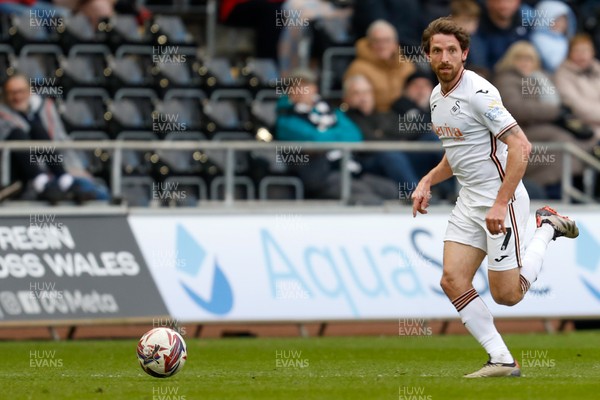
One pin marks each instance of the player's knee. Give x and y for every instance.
(452, 284)
(507, 298)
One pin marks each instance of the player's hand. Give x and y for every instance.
(494, 219)
(420, 197)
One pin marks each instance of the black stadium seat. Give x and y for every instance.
(185, 161)
(85, 66)
(77, 30)
(263, 109)
(7, 59)
(132, 109)
(22, 32)
(228, 110)
(216, 73)
(77, 115)
(123, 29)
(261, 73)
(96, 100)
(40, 62)
(95, 161)
(131, 66)
(137, 162)
(170, 30)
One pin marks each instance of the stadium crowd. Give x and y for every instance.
(320, 70)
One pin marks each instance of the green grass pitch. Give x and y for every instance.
(563, 366)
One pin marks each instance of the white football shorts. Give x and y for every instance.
(467, 226)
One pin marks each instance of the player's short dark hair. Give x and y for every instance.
(445, 26)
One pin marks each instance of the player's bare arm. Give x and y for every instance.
(516, 164)
(421, 195)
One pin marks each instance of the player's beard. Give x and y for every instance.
(446, 72)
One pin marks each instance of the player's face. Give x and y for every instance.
(446, 57)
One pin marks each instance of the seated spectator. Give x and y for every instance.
(378, 58)
(26, 171)
(466, 14)
(296, 14)
(578, 81)
(38, 119)
(503, 23)
(403, 15)
(303, 116)
(555, 24)
(531, 97)
(261, 15)
(395, 165)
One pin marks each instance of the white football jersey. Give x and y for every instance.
(469, 120)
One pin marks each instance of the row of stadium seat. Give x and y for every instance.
(153, 67)
(187, 191)
(135, 109)
(76, 30)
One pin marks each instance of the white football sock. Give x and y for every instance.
(65, 181)
(40, 182)
(480, 323)
(534, 256)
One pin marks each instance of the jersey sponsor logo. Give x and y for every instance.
(482, 91)
(448, 132)
(495, 111)
(500, 258)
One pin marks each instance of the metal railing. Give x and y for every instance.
(231, 147)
